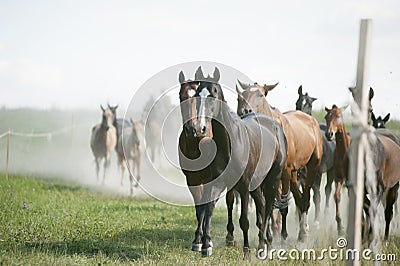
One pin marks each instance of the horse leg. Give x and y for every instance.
(138, 177)
(317, 196)
(131, 166)
(285, 196)
(121, 164)
(244, 222)
(229, 198)
(337, 202)
(237, 202)
(330, 174)
(366, 229)
(206, 248)
(298, 200)
(259, 201)
(390, 200)
(97, 168)
(269, 191)
(106, 164)
(200, 212)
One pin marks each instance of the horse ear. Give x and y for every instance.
(300, 90)
(313, 99)
(352, 90)
(216, 75)
(102, 108)
(243, 85)
(371, 93)
(238, 90)
(199, 74)
(181, 77)
(373, 117)
(386, 118)
(327, 109)
(269, 87)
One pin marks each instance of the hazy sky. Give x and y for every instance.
(71, 54)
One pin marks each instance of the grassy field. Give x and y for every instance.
(47, 221)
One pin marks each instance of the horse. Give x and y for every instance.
(133, 149)
(386, 164)
(103, 140)
(120, 124)
(151, 121)
(379, 122)
(304, 147)
(214, 123)
(304, 104)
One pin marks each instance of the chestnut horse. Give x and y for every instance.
(244, 166)
(304, 103)
(386, 164)
(304, 147)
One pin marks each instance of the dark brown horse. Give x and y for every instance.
(304, 104)
(304, 147)
(254, 161)
(385, 160)
(379, 122)
(335, 129)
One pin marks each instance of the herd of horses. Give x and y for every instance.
(266, 154)
(258, 151)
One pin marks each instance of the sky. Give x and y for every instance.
(79, 54)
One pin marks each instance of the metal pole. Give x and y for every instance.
(357, 148)
(8, 151)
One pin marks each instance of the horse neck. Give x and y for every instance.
(342, 140)
(219, 129)
(265, 109)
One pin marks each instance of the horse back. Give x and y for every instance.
(303, 136)
(390, 158)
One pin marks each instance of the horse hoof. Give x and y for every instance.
(262, 253)
(230, 243)
(196, 247)
(206, 252)
(302, 236)
(246, 253)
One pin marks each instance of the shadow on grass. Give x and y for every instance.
(127, 246)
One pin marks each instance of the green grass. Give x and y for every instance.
(47, 221)
(67, 224)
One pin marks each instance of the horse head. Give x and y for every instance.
(304, 102)
(187, 103)
(252, 98)
(209, 99)
(334, 121)
(379, 122)
(108, 118)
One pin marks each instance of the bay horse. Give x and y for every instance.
(103, 140)
(386, 165)
(120, 124)
(244, 166)
(304, 104)
(304, 147)
(133, 149)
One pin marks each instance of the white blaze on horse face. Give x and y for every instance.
(191, 93)
(203, 96)
(254, 89)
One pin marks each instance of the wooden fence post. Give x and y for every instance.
(357, 147)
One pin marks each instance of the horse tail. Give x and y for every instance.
(282, 202)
